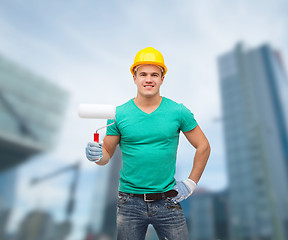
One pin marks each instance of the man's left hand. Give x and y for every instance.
(184, 189)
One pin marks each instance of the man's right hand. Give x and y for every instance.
(94, 151)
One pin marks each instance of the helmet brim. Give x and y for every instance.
(148, 62)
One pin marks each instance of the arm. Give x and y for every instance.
(198, 140)
(109, 146)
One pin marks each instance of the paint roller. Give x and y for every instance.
(97, 111)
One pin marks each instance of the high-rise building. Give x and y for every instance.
(37, 225)
(254, 91)
(202, 215)
(31, 113)
(207, 215)
(109, 220)
(103, 219)
(8, 180)
(221, 213)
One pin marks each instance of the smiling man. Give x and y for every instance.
(147, 129)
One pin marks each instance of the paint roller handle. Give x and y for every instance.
(96, 137)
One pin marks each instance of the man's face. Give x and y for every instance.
(148, 80)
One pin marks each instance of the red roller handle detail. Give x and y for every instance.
(96, 137)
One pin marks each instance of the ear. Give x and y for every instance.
(162, 79)
(134, 78)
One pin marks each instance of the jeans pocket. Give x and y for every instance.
(122, 198)
(171, 205)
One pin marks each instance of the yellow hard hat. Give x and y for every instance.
(149, 55)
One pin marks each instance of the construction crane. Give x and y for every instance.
(65, 227)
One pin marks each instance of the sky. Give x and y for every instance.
(87, 48)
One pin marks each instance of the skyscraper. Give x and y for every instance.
(254, 91)
(202, 215)
(206, 215)
(31, 113)
(103, 219)
(8, 180)
(37, 225)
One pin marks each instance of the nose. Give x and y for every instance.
(148, 79)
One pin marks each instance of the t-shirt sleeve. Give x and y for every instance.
(187, 119)
(113, 129)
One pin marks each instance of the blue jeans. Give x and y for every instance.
(134, 215)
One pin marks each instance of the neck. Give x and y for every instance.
(146, 102)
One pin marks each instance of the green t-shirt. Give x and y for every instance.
(149, 144)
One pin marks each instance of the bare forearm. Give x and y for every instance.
(200, 161)
(105, 159)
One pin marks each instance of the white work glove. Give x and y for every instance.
(94, 151)
(184, 189)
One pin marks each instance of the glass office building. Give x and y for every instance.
(7, 185)
(202, 223)
(31, 112)
(207, 215)
(254, 91)
(102, 223)
(8, 180)
(37, 225)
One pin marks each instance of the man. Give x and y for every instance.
(147, 129)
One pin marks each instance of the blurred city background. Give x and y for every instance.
(227, 62)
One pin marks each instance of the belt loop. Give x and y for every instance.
(163, 195)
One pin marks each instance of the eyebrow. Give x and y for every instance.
(151, 73)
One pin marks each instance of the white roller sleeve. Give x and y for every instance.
(97, 111)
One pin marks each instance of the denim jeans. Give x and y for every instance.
(134, 215)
